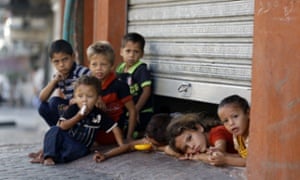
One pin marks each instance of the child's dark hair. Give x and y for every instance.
(190, 121)
(60, 46)
(156, 128)
(134, 37)
(235, 99)
(89, 81)
(101, 48)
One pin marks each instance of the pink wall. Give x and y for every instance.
(274, 151)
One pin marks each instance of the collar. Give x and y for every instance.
(112, 76)
(133, 68)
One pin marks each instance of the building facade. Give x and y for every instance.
(203, 50)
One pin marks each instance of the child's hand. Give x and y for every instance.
(211, 149)
(72, 101)
(216, 158)
(98, 157)
(100, 104)
(58, 76)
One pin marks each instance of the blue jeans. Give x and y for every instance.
(51, 110)
(61, 147)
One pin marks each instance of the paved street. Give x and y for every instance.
(20, 126)
(26, 136)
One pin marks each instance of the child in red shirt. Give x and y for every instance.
(234, 112)
(115, 93)
(195, 135)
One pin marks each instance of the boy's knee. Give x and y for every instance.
(57, 104)
(48, 106)
(53, 130)
(43, 107)
(54, 102)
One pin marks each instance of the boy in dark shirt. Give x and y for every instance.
(74, 135)
(135, 73)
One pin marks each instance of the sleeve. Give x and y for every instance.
(107, 124)
(60, 85)
(69, 113)
(86, 71)
(81, 70)
(143, 76)
(218, 133)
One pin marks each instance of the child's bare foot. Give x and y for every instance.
(37, 160)
(35, 154)
(49, 162)
(37, 157)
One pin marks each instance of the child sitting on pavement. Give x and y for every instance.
(135, 73)
(115, 93)
(61, 86)
(194, 135)
(155, 135)
(74, 135)
(234, 112)
(63, 59)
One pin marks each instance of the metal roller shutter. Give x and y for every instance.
(196, 49)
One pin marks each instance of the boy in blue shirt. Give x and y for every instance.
(63, 59)
(137, 76)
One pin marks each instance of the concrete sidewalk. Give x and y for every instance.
(135, 165)
(21, 126)
(26, 136)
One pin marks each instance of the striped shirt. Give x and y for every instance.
(66, 86)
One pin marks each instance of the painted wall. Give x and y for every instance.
(110, 17)
(275, 114)
(104, 20)
(88, 30)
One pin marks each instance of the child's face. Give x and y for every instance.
(100, 66)
(131, 53)
(234, 119)
(85, 94)
(63, 63)
(192, 141)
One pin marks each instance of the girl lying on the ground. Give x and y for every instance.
(196, 135)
